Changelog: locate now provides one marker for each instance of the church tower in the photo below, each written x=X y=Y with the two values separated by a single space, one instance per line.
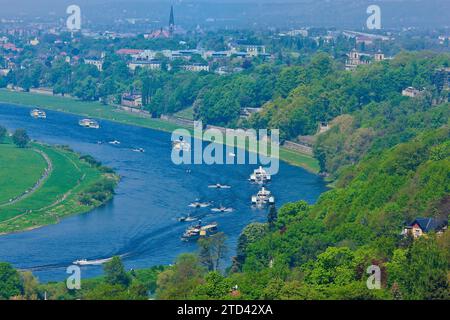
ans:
x=171 y=21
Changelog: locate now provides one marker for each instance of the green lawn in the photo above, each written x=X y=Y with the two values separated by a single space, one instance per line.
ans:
x=20 y=169
x=56 y=198
x=100 y=111
x=187 y=113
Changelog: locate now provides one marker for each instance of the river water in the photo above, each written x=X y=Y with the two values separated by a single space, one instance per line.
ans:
x=140 y=223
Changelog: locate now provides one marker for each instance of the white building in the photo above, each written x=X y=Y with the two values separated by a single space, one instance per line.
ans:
x=96 y=63
x=145 y=64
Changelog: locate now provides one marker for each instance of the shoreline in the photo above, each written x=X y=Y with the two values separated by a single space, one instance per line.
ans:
x=66 y=203
x=99 y=111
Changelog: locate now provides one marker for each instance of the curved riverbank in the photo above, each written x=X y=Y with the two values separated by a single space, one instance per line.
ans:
x=64 y=188
x=140 y=223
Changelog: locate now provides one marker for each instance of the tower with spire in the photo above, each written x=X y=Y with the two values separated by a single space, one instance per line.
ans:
x=171 y=21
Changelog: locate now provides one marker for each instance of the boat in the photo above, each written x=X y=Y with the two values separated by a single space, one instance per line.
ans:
x=89 y=123
x=219 y=186
x=139 y=150
x=115 y=142
x=38 y=114
x=197 y=204
x=263 y=198
x=222 y=209
x=198 y=231
x=181 y=145
x=84 y=262
x=260 y=176
x=187 y=218
x=232 y=154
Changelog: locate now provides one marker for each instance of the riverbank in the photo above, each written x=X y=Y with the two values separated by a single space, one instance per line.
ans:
x=42 y=184
x=100 y=111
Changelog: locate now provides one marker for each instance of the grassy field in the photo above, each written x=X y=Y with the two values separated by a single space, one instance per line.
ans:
x=187 y=113
x=19 y=171
x=56 y=198
x=100 y=111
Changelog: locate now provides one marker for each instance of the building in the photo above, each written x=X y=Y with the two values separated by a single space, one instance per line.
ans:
x=165 y=32
x=95 y=62
x=196 y=67
x=171 y=21
x=356 y=59
x=132 y=100
x=4 y=72
x=422 y=226
x=379 y=56
x=323 y=127
x=250 y=50
x=411 y=92
x=145 y=64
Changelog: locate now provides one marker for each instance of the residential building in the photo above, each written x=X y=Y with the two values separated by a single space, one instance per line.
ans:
x=411 y=92
x=422 y=226
x=132 y=100
x=98 y=63
x=145 y=64
x=196 y=67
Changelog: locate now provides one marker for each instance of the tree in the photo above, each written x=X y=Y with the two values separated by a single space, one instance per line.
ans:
x=115 y=273
x=180 y=281
x=2 y=133
x=10 y=282
x=20 y=138
x=212 y=250
x=272 y=216
x=251 y=234
x=30 y=286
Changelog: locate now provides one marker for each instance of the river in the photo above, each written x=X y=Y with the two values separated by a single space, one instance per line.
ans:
x=140 y=223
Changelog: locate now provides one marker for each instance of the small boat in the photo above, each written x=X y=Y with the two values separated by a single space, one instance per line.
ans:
x=263 y=198
x=197 y=204
x=232 y=154
x=181 y=145
x=260 y=176
x=84 y=262
x=140 y=150
x=38 y=114
x=89 y=123
x=115 y=142
x=219 y=186
x=198 y=231
x=222 y=209
x=187 y=218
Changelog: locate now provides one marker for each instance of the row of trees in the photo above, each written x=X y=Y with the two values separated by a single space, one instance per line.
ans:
x=20 y=137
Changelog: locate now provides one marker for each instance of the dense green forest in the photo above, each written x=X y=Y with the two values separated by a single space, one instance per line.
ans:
x=323 y=251
x=390 y=156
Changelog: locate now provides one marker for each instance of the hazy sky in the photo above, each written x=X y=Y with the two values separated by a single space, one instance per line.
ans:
x=339 y=13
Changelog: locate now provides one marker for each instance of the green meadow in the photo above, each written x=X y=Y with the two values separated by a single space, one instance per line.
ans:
x=57 y=197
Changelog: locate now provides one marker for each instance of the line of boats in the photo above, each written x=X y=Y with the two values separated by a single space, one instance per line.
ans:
x=261 y=200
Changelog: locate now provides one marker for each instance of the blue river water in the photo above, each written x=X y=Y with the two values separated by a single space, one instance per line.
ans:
x=140 y=223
